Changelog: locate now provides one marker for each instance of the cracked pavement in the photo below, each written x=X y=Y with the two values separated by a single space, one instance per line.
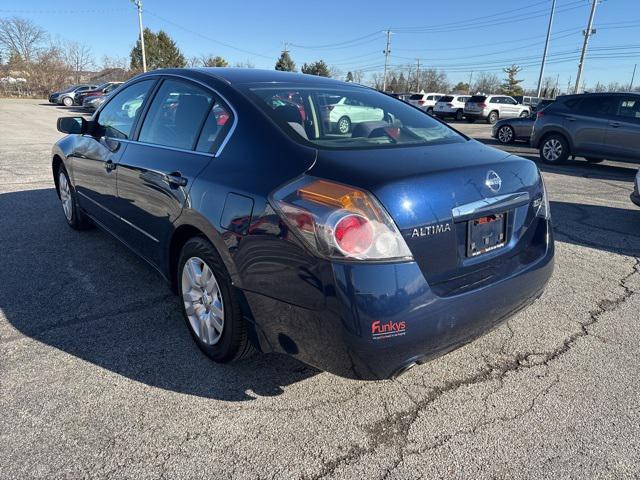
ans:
x=100 y=379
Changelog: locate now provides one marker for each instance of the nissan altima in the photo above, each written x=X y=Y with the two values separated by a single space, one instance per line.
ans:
x=360 y=251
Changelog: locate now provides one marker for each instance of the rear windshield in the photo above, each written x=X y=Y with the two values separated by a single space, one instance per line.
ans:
x=416 y=96
x=478 y=98
x=447 y=98
x=342 y=118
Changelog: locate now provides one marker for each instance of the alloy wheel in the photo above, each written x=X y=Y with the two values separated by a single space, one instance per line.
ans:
x=505 y=134
x=65 y=195
x=552 y=149
x=343 y=125
x=202 y=299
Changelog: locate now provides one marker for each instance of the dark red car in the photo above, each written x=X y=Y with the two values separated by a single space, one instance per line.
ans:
x=100 y=90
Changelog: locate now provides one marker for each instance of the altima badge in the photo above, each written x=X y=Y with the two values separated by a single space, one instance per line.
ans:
x=431 y=230
x=493 y=181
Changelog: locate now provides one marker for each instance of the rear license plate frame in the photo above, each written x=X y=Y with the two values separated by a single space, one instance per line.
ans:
x=487 y=236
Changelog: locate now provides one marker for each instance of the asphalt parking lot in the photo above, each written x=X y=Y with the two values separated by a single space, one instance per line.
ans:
x=99 y=377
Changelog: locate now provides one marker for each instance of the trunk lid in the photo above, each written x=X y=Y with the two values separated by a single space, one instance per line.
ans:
x=433 y=192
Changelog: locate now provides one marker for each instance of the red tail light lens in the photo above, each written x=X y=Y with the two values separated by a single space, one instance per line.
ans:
x=421 y=102
x=482 y=105
x=339 y=221
x=353 y=234
x=539 y=114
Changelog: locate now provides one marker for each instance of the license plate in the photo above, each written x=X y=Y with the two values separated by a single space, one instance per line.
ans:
x=486 y=234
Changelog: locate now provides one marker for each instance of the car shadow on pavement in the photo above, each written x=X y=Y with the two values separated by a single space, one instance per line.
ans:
x=612 y=229
x=86 y=294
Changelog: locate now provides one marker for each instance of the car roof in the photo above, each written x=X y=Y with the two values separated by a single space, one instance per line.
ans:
x=598 y=94
x=254 y=75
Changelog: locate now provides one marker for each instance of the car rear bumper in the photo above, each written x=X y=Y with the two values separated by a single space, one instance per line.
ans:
x=379 y=319
x=475 y=116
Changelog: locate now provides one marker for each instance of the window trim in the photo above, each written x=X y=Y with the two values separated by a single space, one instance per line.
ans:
x=158 y=77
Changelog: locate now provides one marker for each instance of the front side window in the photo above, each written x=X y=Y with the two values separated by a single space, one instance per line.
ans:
x=348 y=117
x=118 y=117
x=176 y=115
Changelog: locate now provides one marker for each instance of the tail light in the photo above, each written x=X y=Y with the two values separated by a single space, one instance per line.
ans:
x=421 y=102
x=541 y=204
x=539 y=114
x=482 y=105
x=449 y=104
x=339 y=221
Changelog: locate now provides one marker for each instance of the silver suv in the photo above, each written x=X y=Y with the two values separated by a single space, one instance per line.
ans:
x=591 y=125
x=493 y=107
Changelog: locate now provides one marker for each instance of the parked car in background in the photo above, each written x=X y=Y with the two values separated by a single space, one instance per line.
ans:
x=329 y=250
x=93 y=102
x=102 y=89
x=61 y=96
x=595 y=126
x=346 y=112
x=451 y=106
x=542 y=104
x=68 y=99
x=425 y=101
x=635 y=196
x=532 y=102
x=493 y=107
x=509 y=130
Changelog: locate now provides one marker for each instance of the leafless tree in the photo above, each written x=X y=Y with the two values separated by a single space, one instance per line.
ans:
x=21 y=36
x=486 y=82
x=79 y=58
x=358 y=76
x=246 y=64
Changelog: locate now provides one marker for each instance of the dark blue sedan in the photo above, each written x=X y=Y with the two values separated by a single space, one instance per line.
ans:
x=298 y=214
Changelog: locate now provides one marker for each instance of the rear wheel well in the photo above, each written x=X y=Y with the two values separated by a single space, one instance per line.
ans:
x=182 y=234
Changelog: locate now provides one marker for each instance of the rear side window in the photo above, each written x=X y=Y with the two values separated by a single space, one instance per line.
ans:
x=599 y=106
x=478 y=98
x=416 y=96
x=215 y=128
x=117 y=118
x=446 y=98
x=176 y=115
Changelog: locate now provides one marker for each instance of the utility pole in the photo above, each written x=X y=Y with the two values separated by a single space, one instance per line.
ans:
x=138 y=4
x=633 y=76
x=418 y=75
x=587 y=33
x=546 y=47
x=386 y=58
x=470 y=79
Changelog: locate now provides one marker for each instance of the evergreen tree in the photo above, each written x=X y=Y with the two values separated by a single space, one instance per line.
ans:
x=160 y=51
x=285 y=63
x=316 y=68
x=461 y=87
x=511 y=85
x=212 y=61
x=349 y=77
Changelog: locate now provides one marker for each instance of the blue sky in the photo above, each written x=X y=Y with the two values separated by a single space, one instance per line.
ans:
x=458 y=36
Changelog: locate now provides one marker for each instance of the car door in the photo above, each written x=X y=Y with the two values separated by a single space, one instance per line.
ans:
x=588 y=122
x=96 y=155
x=157 y=170
x=623 y=131
x=510 y=107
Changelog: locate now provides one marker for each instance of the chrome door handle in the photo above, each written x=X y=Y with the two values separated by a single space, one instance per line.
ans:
x=571 y=119
x=176 y=179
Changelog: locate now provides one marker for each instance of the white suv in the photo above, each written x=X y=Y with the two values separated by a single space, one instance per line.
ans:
x=493 y=107
x=425 y=101
x=451 y=106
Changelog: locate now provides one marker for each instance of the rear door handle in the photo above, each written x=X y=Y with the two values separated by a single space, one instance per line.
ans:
x=176 y=178
x=109 y=165
x=614 y=124
x=571 y=119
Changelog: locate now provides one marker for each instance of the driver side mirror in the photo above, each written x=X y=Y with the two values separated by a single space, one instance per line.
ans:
x=72 y=125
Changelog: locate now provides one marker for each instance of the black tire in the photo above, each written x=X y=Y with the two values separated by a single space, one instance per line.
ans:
x=459 y=114
x=505 y=134
x=67 y=101
x=493 y=117
x=594 y=160
x=343 y=125
x=470 y=120
x=555 y=142
x=78 y=219
x=430 y=110
x=234 y=343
